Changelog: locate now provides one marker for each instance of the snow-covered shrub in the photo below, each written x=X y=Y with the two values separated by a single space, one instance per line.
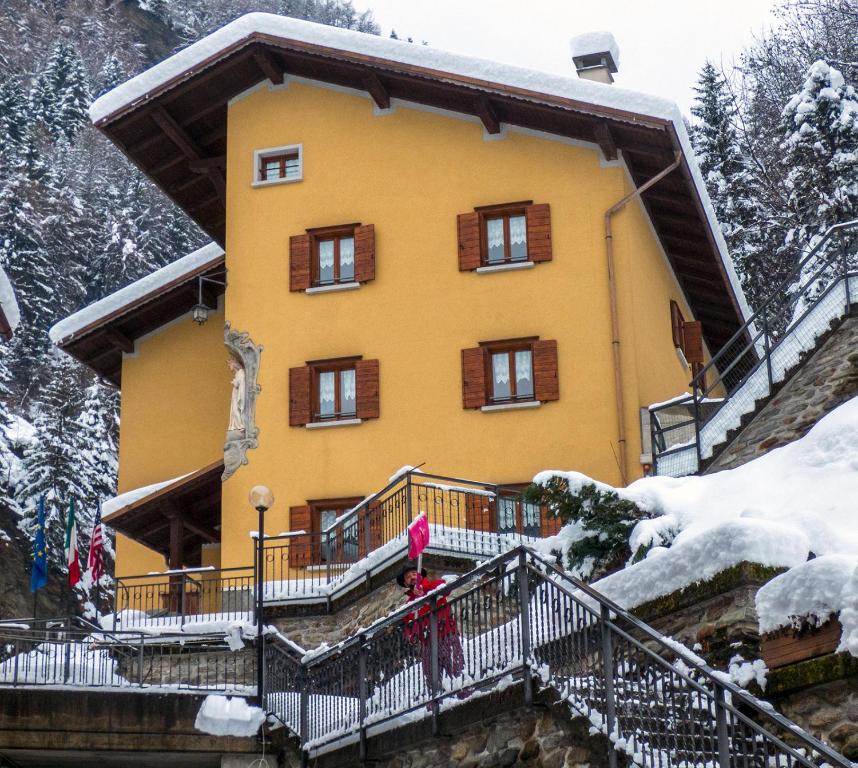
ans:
x=605 y=519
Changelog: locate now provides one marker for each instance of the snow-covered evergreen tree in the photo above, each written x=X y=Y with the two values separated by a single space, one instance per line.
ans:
x=60 y=95
x=51 y=462
x=820 y=124
x=97 y=461
x=731 y=186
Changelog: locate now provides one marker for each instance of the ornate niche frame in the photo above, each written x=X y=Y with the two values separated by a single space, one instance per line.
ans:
x=238 y=442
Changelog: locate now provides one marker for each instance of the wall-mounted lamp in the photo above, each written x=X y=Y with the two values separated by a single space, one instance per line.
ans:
x=200 y=311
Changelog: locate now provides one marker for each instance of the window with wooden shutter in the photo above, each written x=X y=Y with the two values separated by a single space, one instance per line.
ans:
x=473 y=378
x=300 y=547
x=299 y=262
x=300 y=411
x=342 y=543
x=545 y=377
x=366 y=372
x=507 y=234
x=365 y=253
x=468 y=227
x=509 y=371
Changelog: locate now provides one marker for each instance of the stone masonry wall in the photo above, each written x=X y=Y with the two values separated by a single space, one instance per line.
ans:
x=828 y=711
x=827 y=380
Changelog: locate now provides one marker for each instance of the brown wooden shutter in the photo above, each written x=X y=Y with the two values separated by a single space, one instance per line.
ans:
x=549 y=523
x=374 y=515
x=469 y=240
x=545 y=383
x=479 y=512
x=299 y=262
x=300 y=412
x=365 y=253
x=692 y=335
x=676 y=325
x=473 y=378
x=366 y=383
x=300 y=547
x=538 y=232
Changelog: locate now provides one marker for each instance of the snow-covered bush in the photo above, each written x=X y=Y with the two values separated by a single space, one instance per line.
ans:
x=604 y=518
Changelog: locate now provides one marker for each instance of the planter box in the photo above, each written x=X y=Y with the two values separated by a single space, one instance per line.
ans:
x=788 y=645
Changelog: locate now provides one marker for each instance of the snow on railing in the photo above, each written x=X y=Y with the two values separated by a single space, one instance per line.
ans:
x=759 y=356
x=517 y=619
x=467 y=518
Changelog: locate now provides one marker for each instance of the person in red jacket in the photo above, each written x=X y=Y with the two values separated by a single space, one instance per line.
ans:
x=451 y=659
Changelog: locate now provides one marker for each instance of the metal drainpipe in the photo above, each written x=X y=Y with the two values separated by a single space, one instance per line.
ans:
x=615 y=317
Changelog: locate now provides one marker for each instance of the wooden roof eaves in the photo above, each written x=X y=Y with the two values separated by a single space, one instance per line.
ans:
x=384 y=66
x=183 y=483
x=127 y=309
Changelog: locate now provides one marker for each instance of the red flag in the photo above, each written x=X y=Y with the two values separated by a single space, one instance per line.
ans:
x=95 y=561
x=418 y=535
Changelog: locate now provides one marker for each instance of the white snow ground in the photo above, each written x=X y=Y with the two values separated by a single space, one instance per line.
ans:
x=775 y=510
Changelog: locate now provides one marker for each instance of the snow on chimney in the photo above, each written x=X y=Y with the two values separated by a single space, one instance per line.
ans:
x=595 y=55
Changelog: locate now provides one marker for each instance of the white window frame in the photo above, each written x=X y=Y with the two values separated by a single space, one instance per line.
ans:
x=260 y=154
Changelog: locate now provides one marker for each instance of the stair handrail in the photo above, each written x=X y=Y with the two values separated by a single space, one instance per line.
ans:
x=611 y=614
x=779 y=292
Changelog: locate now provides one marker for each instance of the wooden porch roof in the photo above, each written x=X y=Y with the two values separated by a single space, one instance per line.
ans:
x=101 y=343
x=176 y=134
x=195 y=500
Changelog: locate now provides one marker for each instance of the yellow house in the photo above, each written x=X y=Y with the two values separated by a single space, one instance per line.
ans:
x=444 y=261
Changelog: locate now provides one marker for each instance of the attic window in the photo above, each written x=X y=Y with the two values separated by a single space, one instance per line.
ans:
x=278 y=165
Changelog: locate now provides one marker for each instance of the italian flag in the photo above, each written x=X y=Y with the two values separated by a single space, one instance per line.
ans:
x=71 y=547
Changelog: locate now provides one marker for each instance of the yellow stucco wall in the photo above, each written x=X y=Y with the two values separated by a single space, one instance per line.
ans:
x=174 y=411
x=410 y=173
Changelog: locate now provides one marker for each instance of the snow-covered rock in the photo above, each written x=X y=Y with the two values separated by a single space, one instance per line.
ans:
x=225 y=716
x=8 y=302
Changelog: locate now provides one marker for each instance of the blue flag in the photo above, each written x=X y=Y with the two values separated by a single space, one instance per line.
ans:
x=39 y=575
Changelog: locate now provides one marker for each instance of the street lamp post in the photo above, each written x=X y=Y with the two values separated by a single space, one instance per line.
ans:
x=261 y=500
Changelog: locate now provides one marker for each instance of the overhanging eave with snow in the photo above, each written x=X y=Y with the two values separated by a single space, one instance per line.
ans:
x=171 y=121
x=175 y=517
x=99 y=334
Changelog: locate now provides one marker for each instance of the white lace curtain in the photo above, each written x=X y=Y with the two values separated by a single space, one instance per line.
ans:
x=326 y=254
x=347 y=383
x=517 y=230
x=347 y=251
x=326 y=387
x=522 y=366
x=494 y=230
x=500 y=365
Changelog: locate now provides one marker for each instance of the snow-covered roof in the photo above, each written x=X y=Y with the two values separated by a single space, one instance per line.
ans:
x=125 y=500
x=8 y=302
x=595 y=42
x=439 y=65
x=136 y=293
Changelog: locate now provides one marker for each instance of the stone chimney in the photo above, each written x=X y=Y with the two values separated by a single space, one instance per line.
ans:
x=596 y=56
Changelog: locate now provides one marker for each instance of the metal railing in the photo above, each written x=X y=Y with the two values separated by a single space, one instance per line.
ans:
x=518 y=618
x=59 y=653
x=175 y=598
x=760 y=355
x=467 y=518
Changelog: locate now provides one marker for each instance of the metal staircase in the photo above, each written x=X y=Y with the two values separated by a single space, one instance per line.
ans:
x=520 y=619
x=760 y=357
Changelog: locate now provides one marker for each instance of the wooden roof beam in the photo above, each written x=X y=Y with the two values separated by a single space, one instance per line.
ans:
x=203 y=531
x=265 y=61
x=377 y=90
x=484 y=110
x=119 y=340
x=205 y=164
x=175 y=133
x=605 y=140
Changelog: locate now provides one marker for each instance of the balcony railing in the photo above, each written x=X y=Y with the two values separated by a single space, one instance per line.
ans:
x=467 y=518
